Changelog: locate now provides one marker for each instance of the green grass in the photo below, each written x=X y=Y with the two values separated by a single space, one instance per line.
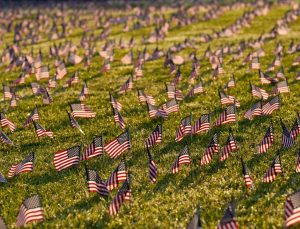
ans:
x=171 y=201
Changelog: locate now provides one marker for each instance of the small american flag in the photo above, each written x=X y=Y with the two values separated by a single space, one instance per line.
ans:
x=272 y=172
x=259 y=92
x=6 y=122
x=82 y=111
x=43 y=72
x=117 y=176
x=7 y=92
x=185 y=128
x=280 y=88
x=95 y=184
x=255 y=63
x=298 y=163
x=228 y=99
x=41 y=132
x=173 y=92
x=229 y=147
x=228 y=220
x=195 y=223
x=212 y=148
x=255 y=110
x=287 y=139
x=265 y=79
x=13 y=101
x=272 y=105
x=52 y=82
x=2 y=180
x=119 y=145
x=295 y=131
x=35 y=88
x=34 y=116
x=155 y=137
x=25 y=166
x=74 y=79
x=61 y=71
x=247 y=178
x=127 y=86
x=292 y=209
x=154 y=111
x=66 y=158
x=198 y=88
x=227 y=116
x=115 y=104
x=118 y=119
x=47 y=99
x=152 y=168
x=267 y=141
x=124 y=194
x=183 y=158
x=74 y=123
x=74 y=59
x=231 y=83
x=95 y=148
x=31 y=210
x=171 y=106
x=145 y=98
x=202 y=124
x=4 y=139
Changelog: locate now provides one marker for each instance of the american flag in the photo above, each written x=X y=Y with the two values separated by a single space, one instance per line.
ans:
x=295 y=128
x=74 y=59
x=231 y=83
x=155 y=137
x=61 y=71
x=287 y=139
x=173 y=92
x=255 y=63
x=2 y=180
x=145 y=98
x=228 y=220
x=202 y=124
x=25 y=166
x=265 y=79
x=7 y=92
x=106 y=66
x=267 y=141
x=212 y=148
x=94 y=149
x=52 y=82
x=81 y=96
x=114 y=103
x=6 y=122
x=74 y=79
x=229 y=147
x=227 y=116
x=43 y=72
x=34 y=116
x=152 y=168
x=124 y=194
x=31 y=210
x=82 y=111
x=4 y=139
x=119 y=145
x=259 y=92
x=183 y=158
x=292 y=209
x=118 y=119
x=281 y=87
x=272 y=172
x=35 y=88
x=127 y=86
x=41 y=132
x=185 y=128
x=85 y=88
x=255 y=110
x=227 y=99
x=195 y=223
x=117 y=176
x=74 y=123
x=154 y=111
x=272 y=105
x=13 y=101
x=298 y=163
x=47 y=99
x=66 y=158
x=95 y=184
x=198 y=88
x=171 y=106
x=247 y=178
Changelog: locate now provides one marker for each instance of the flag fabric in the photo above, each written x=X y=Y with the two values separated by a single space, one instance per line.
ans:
x=47 y=98
x=229 y=147
x=173 y=92
x=292 y=209
x=127 y=86
x=154 y=111
x=66 y=158
x=145 y=98
x=281 y=87
x=228 y=220
x=155 y=137
x=247 y=178
x=255 y=110
x=6 y=122
x=228 y=99
x=259 y=92
x=95 y=184
x=185 y=128
x=124 y=194
x=152 y=167
x=265 y=79
x=119 y=145
x=231 y=83
x=171 y=106
x=82 y=111
x=95 y=148
x=13 y=101
x=267 y=140
x=74 y=123
x=34 y=116
x=287 y=139
x=272 y=105
x=7 y=91
x=115 y=104
x=227 y=116
x=117 y=176
x=4 y=139
x=74 y=79
x=118 y=119
x=197 y=89
x=182 y=159
x=31 y=210
x=298 y=163
x=25 y=166
x=202 y=124
x=41 y=132
x=52 y=82
x=195 y=223
x=274 y=169
x=61 y=71
x=212 y=148
x=295 y=131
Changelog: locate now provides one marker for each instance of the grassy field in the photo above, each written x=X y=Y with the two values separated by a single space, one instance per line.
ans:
x=170 y=202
